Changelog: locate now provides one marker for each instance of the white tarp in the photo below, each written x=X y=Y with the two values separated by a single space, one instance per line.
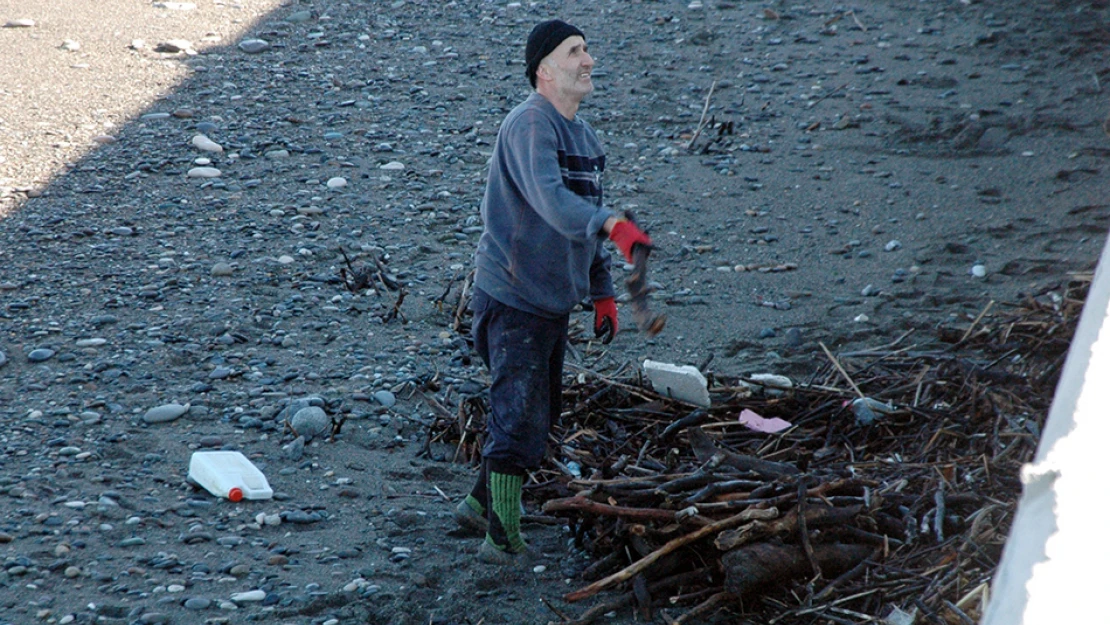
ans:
x=1053 y=568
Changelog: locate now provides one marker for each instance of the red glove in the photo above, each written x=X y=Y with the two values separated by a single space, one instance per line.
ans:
x=627 y=236
x=605 y=319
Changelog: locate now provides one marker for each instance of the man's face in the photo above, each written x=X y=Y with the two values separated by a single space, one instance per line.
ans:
x=570 y=65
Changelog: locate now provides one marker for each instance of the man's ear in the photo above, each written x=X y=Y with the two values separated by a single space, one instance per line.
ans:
x=543 y=69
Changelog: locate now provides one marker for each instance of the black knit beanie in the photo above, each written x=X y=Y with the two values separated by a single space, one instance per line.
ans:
x=545 y=37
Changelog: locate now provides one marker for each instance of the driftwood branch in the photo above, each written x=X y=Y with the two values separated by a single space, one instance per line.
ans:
x=589 y=506
x=640 y=565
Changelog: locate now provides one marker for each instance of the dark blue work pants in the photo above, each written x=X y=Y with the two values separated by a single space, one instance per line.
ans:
x=524 y=353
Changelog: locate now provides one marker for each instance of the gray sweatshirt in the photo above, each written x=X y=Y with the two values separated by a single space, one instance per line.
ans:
x=542 y=250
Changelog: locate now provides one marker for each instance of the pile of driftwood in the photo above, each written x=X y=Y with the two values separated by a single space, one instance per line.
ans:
x=881 y=489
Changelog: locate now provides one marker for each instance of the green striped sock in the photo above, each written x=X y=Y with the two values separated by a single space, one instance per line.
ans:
x=505 y=492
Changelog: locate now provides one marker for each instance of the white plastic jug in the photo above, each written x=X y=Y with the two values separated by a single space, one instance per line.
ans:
x=228 y=474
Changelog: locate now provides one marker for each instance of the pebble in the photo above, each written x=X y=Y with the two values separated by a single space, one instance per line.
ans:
x=393 y=166
x=41 y=354
x=337 y=183
x=3 y=358
x=310 y=422
x=301 y=517
x=22 y=22
x=294 y=450
x=197 y=603
x=204 y=172
x=979 y=271
x=251 y=596
x=220 y=373
x=222 y=270
x=205 y=144
x=175 y=46
x=299 y=17
x=165 y=413
x=95 y=342
x=254 y=46
x=385 y=398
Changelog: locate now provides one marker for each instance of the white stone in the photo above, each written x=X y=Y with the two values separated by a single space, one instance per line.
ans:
x=251 y=596
x=20 y=23
x=772 y=379
x=393 y=166
x=204 y=172
x=204 y=144
x=979 y=271
x=337 y=182
x=681 y=382
x=254 y=46
x=96 y=342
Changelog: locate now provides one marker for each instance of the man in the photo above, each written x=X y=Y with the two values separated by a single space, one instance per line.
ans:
x=540 y=255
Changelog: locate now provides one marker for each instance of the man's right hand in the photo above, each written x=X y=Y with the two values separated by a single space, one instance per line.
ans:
x=627 y=236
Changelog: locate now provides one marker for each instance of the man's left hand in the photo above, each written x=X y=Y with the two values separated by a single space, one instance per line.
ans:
x=605 y=319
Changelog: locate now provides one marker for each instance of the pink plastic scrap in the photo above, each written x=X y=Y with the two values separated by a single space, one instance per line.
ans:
x=759 y=424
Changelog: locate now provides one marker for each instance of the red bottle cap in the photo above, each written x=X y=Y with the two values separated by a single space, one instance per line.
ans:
x=235 y=494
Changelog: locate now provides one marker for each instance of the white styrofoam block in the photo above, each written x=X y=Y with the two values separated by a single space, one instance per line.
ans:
x=681 y=382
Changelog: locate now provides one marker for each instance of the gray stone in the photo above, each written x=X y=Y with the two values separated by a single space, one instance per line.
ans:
x=385 y=398
x=254 y=46
x=310 y=422
x=40 y=355
x=3 y=359
x=295 y=405
x=299 y=17
x=165 y=413
x=154 y=618
x=295 y=450
x=301 y=517
x=994 y=138
x=220 y=373
x=197 y=603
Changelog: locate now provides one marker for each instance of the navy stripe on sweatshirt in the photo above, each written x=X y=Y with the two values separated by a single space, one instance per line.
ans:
x=583 y=174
